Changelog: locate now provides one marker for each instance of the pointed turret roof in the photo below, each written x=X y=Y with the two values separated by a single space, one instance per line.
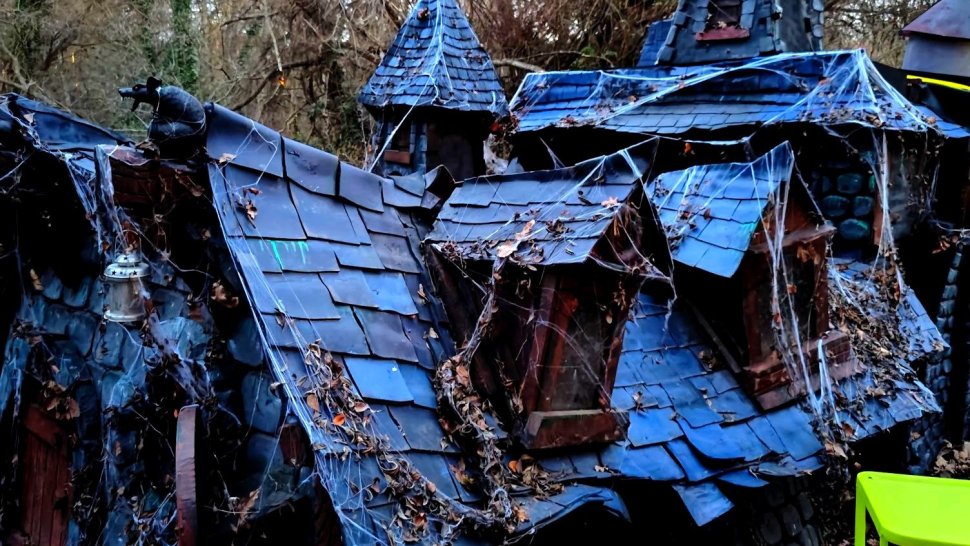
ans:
x=436 y=60
x=946 y=18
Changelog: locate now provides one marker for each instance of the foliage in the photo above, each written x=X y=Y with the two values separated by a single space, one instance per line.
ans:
x=297 y=65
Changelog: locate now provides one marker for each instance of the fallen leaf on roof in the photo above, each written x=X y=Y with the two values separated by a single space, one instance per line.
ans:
x=835 y=450
x=226 y=158
x=313 y=402
x=339 y=419
x=35 y=280
x=507 y=249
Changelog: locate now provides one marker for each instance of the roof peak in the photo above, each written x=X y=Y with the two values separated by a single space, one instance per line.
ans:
x=946 y=18
x=436 y=60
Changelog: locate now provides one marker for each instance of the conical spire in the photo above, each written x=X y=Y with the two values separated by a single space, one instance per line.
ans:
x=436 y=60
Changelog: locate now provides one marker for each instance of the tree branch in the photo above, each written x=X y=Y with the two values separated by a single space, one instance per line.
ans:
x=518 y=64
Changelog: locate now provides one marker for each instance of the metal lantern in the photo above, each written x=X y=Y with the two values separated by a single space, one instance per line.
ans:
x=124 y=279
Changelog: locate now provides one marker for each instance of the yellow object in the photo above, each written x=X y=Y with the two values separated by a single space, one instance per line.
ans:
x=913 y=510
x=944 y=83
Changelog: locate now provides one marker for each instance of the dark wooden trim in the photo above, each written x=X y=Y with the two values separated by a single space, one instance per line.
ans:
x=544 y=337
x=806 y=235
x=552 y=429
x=397 y=156
x=550 y=368
x=44 y=427
x=723 y=34
x=188 y=440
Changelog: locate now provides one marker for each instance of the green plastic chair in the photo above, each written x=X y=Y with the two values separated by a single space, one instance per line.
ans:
x=913 y=510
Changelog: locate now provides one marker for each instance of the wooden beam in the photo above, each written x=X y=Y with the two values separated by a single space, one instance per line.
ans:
x=397 y=156
x=543 y=336
x=188 y=439
x=552 y=429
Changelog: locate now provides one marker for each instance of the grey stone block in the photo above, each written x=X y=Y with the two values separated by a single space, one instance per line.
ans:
x=835 y=206
x=261 y=407
x=791 y=521
x=862 y=206
x=244 y=345
x=77 y=296
x=854 y=230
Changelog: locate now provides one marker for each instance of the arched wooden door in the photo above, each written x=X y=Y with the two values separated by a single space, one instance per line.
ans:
x=45 y=480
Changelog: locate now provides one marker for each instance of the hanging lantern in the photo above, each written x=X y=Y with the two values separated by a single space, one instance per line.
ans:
x=124 y=279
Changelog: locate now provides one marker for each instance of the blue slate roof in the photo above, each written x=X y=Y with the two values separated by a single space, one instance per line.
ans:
x=655 y=40
x=711 y=212
x=329 y=259
x=567 y=211
x=828 y=88
x=436 y=60
x=691 y=424
x=950 y=130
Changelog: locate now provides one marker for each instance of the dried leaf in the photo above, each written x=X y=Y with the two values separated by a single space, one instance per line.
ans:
x=432 y=334
x=611 y=202
x=245 y=510
x=339 y=419
x=360 y=407
x=835 y=450
x=221 y=295
x=848 y=430
x=421 y=293
x=35 y=281
x=526 y=230
x=226 y=158
x=507 y=249
x=313 y=402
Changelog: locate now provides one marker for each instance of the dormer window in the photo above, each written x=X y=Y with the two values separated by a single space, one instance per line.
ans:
x=754 y=253
x=562 y=256
x=723 y=13
x=724 y=21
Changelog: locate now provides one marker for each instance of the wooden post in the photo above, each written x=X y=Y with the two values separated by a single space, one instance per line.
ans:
x=188 y=439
